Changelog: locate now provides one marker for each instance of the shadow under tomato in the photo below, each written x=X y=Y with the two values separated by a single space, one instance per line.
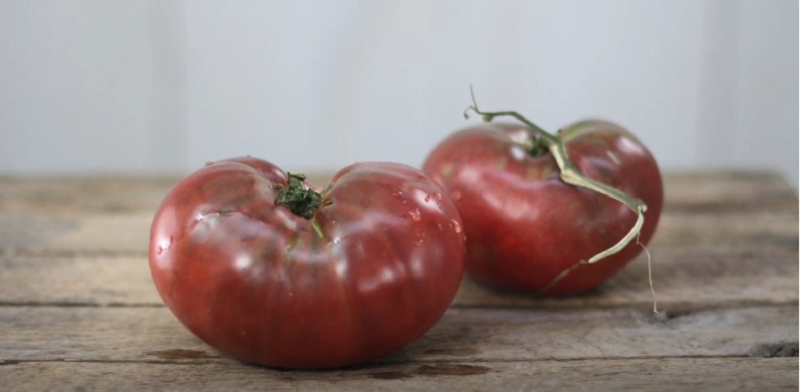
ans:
x=449 y=340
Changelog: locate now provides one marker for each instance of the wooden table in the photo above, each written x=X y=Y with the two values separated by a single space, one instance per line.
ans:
x=79 y=312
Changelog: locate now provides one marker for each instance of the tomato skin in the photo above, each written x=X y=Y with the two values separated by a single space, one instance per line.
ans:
x=259 y=284
x=524 y=225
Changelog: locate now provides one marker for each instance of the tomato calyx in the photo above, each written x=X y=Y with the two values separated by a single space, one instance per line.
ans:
x=537 y=148
x=301 y=200
x=529 y=140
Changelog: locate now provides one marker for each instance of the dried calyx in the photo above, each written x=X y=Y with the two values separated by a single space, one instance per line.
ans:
x=298 y=198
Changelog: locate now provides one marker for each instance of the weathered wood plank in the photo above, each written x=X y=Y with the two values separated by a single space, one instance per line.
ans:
x=86 y=281
x=55 y=195
x=728 y=192
x=92 y=195
x=128 y=234
x=696 y=192
x=761 y=230
x=153 y=334
x=685 y=278
x=100 y=234
x=687 y=374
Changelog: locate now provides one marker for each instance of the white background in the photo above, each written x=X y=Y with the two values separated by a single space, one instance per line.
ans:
x=155 y=86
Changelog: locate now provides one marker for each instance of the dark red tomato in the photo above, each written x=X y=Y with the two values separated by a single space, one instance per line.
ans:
x=524 y=225
x=369 y=270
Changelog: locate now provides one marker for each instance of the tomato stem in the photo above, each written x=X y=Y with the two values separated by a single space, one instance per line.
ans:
x=570 y=175
x=298 y=198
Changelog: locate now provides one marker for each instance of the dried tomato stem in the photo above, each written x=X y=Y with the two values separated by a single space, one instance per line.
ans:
x=570 y=175
x=298 y=198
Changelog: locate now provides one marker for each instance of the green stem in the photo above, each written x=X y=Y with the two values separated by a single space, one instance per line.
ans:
x=570 y=175
x=300 y=200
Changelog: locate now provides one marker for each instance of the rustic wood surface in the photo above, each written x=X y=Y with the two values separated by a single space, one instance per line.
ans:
x=78 y=310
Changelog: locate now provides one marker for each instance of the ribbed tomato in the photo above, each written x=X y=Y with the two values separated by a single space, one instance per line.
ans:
x=267 y=270
x=524 y=225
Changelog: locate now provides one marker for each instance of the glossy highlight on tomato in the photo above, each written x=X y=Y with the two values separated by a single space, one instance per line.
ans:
x=524 y=225
x=372 y=269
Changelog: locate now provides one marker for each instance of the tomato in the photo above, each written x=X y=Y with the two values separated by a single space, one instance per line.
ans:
x=267 y=270
x=524 y=225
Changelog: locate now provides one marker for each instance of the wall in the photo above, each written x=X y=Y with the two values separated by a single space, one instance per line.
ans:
x=89 y=86
x=159 y=86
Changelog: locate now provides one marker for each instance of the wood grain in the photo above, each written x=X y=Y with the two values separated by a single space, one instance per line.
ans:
x=151 y=334
x=667 y=375
x=688 y=192
x=128 y=234
x=737 y=229
x=80 y=281
x=685 y=278
x=108 y=216
x=89 y=195
x=60 y=195
x=728 y=192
